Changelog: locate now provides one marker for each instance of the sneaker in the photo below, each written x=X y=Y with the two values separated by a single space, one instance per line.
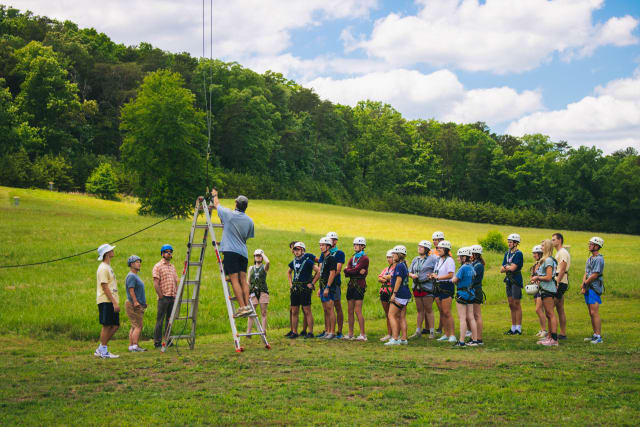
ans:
x=468 y=334
x=439 y=331
x=591 y=338
x=425 y=331
x=308 y=335
x=541 y=334
x=472 y=343
x=562 y=337
x=339 y=335
x=392 y=342
x=459 y=344
x=288 y=334
x=452 y=338
x=385 y=338
x=510 y=332
x=596 y=340
x=243 y=312
x=346 y=337
x=416 y=335
x=97 y=353
x=479 y=342
x=543 y=340
x=138 y=350
x=550 y=343
x=432 y=336
x=443 y=338
x=361 y=338
x=293 y=336
x=321 y=334
x=329 y=337
x=108 y=355
x=403 y=342
x=303 y=333
x=517 y=332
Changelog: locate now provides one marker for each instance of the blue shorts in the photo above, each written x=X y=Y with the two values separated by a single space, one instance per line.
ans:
x=334 y=294
x=592 y=298
x=445 y=290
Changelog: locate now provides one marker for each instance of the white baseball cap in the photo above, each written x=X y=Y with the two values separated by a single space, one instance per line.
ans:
x=103 y=249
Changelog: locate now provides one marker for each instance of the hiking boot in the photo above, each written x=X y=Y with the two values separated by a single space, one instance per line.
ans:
x=439 y=331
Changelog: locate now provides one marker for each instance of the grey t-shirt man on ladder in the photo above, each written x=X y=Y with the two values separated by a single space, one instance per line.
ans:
x=238 y=228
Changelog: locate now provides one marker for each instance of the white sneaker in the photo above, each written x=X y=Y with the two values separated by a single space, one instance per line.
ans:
x=383 y=339
x=98 y=354
x=418 y=334
x=591 y=338
x=452 y=339
x=329 y=336
x=348 y=337
x=443 y=338
x=392 y=342
x=468 y=334
x=361 y=338
x=108 y=355
x=404 y=342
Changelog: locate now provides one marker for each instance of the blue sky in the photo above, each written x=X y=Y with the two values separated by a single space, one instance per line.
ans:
x=566 y=68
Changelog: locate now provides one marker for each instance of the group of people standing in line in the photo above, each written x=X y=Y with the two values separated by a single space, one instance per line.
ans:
x=432 y=273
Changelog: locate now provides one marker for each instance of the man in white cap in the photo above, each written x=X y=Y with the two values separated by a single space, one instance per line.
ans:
x=107 y=300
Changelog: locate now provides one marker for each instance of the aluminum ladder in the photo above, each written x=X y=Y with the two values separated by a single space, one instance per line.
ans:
x=195 y=260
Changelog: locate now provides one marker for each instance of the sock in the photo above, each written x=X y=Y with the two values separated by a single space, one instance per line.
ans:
x=519 y=328
x=102 y=349
x=596 y=335
x=432 y=331
x=418 y=330
x=513 y=328
x=554 y=336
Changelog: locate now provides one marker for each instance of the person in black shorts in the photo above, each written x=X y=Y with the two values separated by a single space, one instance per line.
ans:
x=300 y=273
x=386 y=289
x=328 y=288
x=356 y=271
x=477 y=262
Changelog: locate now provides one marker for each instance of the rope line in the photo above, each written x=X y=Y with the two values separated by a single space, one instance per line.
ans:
x=87 y=251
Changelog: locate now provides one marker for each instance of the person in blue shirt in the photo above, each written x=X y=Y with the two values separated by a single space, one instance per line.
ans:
x=300 y=274
x=337 y=304
x=465 y=297
x=511 y=267
x=593 y=287
x=400 y=297
x=477 y=262
x=328 y=288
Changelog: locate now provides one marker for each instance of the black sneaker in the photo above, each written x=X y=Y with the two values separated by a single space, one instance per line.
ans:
x=425 y=332
x=562 y=337
x=518 y=332
x=479 y=342
x=303 y=333
x=510 y=332
x=309 y=335
x=288 y=334
x=459 y=344
x=293 y=336
x=439 y=331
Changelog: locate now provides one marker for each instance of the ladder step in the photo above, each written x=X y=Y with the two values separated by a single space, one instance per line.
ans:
x=188 y=301
x=195 y=263
x=177 y=337
x=191 y=282
x=251 y=334
x=184 y=318
x=206 y=226
x=198 y=245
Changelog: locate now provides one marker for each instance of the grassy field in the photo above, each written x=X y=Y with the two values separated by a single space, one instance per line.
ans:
x=48 y=331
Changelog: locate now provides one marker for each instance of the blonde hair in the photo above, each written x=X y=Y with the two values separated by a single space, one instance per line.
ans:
x=547 y=249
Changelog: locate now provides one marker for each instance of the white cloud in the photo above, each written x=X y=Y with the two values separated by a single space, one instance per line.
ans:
x=439 y=95
x=241 y=27
x=501 y=36
x=609 y=120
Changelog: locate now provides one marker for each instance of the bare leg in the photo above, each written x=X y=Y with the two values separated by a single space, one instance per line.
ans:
x=462 y=316
x=385 y=307
x=562 y=316
x=551 y=315
x=594 y=313
x=245 y=286
x=420 y=317
x=135 y=336
x=471 y=322
x=358 y=304
x=512 y=309
x=518 y=311
x=339 y=317
x=403 y=322
x=447 y=318
x=477 y=315
x=542 y=318
x=263 y=316
x=439 y=305
x=428 y=310
x=394 y=321
x=308 y=318
x=295 y=310
x=351 y=304
x=238 y=290
x=331 y=322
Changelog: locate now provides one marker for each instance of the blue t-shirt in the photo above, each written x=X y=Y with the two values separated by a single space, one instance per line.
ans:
x=238 y=228
x=401 y=271
x=134 y=281
x=479 y=269
x=302 y=269
x=514 y=258
x=340 y=259
x=465 y=276
x=595 y=264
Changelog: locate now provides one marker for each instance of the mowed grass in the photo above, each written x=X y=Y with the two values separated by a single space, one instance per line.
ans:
x=48 y=331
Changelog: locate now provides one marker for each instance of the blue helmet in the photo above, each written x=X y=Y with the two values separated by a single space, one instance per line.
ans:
x=166 y=247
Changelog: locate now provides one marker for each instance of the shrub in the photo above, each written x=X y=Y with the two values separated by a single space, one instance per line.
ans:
x=494 y=241
x=49 y=168
x=16 y=169
x=103 y=182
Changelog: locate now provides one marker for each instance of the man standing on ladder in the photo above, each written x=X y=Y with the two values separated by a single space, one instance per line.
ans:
x=238 y=227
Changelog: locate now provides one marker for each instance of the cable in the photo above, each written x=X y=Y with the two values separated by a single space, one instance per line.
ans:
x=88 y=251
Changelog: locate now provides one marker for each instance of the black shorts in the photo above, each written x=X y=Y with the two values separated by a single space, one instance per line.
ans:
x=513 y=291
x=544 y=294
x=234 y=263
x=562 y=288
x=301 y=297
x=355 y=293
x=385 y=297
x=479 y=295
x=107 y=316
x=445 y=290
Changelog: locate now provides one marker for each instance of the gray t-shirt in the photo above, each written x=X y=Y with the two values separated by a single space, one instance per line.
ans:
x=595 y=264
x=134 y=281
x=238 y=228
x=423 y=267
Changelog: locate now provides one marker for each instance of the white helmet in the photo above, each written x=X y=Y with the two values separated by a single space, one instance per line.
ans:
x=537 y=248
x=464 y=251
x=476 y=249
x=332 y=235
x=390 y=252
x=531 y=289
x=597 y=241
x=514 y=237
x=425 y=244
x=325 y=241
x=437 y=235
x=399 y=249
x=445 y=244
x=299 y=245
x=258 y=252
x=360 y=241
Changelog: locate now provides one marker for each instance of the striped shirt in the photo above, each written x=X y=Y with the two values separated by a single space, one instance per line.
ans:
x=166 y=273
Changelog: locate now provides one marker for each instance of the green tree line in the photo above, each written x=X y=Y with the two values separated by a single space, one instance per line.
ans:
x=72 y=102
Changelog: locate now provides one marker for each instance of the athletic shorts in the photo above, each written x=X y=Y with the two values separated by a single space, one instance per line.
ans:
x=134 y=314
x=264 y=298
x=234 y=263
x=107 y=316
x=562 y=288
x=334 y=294
x=385 y=297
x=544 y=294
x=461 y=301
x=445 y=290
x=355 y=293
x=592 y=298
x=401 y=302
x=513 y=291
x=302 y=297
x=479 y=295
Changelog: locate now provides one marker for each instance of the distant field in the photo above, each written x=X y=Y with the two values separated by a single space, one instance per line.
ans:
x=48 y=331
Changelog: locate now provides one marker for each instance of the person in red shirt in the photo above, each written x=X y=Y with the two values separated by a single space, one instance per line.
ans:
x=356 y=271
